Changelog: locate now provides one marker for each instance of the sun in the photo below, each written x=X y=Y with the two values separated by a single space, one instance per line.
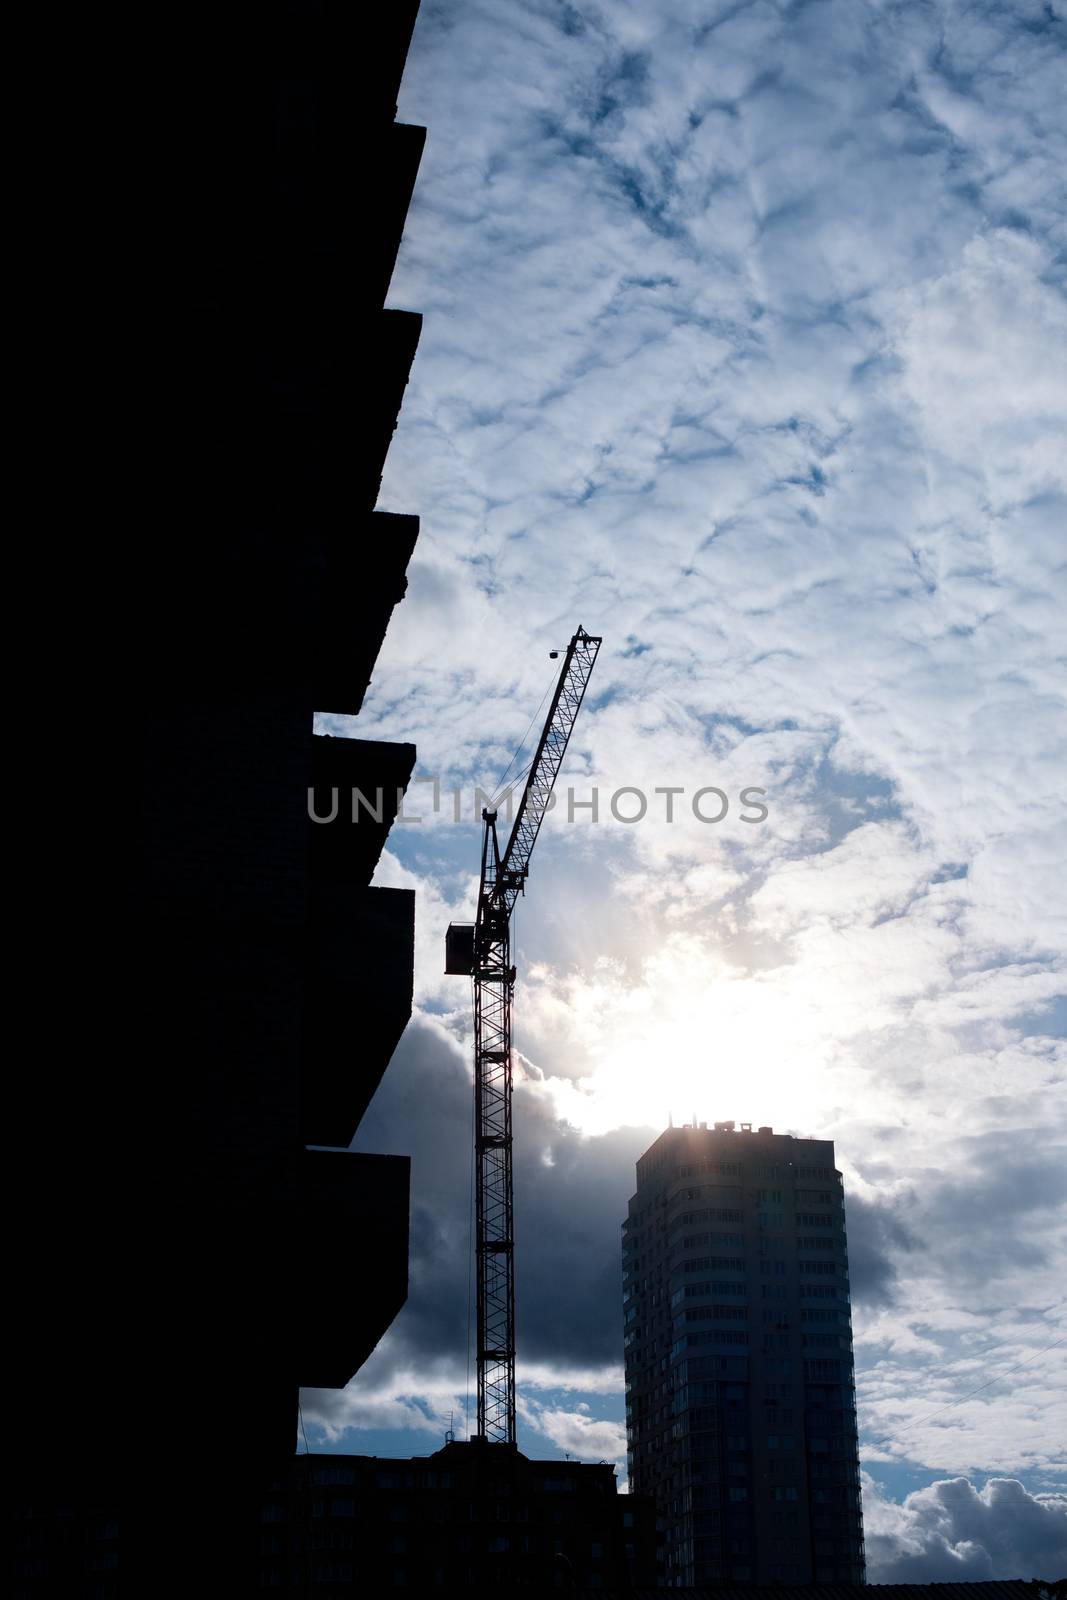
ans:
x=692 y=1036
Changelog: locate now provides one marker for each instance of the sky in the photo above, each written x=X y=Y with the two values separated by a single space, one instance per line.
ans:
x=745 y=347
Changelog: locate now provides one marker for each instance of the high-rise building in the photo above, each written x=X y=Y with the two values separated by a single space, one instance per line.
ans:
x=196 y=1227
x=740 y=1396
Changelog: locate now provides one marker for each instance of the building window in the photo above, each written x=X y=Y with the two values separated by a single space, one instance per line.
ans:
x=330 y=1475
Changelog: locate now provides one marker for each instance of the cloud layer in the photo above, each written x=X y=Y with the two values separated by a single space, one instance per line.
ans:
x=745 y=345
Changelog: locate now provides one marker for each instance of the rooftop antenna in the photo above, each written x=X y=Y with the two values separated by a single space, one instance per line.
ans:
x=450 y=1437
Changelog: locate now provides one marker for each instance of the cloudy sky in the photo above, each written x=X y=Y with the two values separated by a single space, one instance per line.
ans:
x=745 y=346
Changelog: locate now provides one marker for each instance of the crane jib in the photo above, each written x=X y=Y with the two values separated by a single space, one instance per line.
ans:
x=548 y=758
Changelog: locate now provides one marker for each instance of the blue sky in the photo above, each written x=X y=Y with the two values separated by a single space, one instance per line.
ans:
x=744 y=346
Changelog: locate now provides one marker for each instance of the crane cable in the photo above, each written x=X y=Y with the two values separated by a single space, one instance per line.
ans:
x=498 y=790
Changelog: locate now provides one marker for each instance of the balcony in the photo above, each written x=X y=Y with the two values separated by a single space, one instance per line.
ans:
x=350 y=1228
x=361 y=945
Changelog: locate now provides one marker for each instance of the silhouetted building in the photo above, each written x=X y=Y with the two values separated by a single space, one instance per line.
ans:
x=1003 y=1589
x=189 y=1261
x=472 y=1516
x=740 y=1397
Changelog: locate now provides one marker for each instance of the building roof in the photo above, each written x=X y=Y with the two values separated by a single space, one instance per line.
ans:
x=1005 y=1589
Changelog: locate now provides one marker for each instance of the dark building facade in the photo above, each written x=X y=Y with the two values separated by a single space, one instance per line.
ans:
x=188 y=1258
x=740 y=1395
x=472 y=1517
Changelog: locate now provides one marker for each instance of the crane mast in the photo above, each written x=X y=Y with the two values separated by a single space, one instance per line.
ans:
x=487 y=956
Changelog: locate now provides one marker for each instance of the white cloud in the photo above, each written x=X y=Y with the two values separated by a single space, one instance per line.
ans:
x=584 y=1437
x=917 y=1389
x=419 y=1401
x=953 y=1532
x=995 y=329
x=583 y=1380
x=744 y=345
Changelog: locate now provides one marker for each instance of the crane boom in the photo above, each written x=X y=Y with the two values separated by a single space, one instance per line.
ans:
x=548 y=757
x=502 y=881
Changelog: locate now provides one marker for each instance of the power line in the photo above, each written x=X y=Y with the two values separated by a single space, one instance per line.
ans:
x=522 y=741
x=979 y=1387
x=520 y=777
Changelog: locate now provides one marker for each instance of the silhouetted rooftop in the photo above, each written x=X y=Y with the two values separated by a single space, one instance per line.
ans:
x=1003 y=1589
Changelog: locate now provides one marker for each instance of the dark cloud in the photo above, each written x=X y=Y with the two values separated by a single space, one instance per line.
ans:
x=974 y=1226
x=875 y=1234
x=422 y=1109
x=988 y=1219
x=570 y=1199
x=952 y=1531
x=571 y=1194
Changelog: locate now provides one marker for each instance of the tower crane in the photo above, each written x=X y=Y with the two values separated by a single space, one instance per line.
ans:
x=483 y=949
